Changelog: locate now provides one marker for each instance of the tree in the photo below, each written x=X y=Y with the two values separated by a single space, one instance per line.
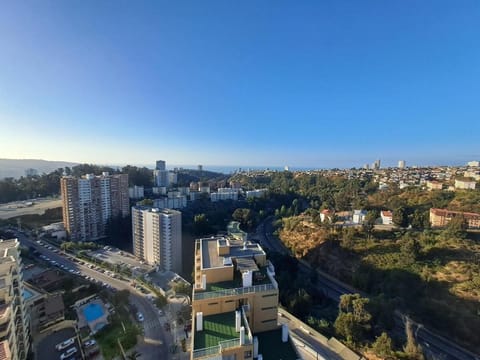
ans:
x=383 y=346
x=419 y=220
x=353 y=320
x=411 y=348
x=456 y=228
x=410 y=249
x=245 y=217
x=400 y=217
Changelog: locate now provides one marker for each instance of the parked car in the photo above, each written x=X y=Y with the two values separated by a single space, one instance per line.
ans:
x=140 y=317
x=89 y=343
x=65 y=344
x=68 y=353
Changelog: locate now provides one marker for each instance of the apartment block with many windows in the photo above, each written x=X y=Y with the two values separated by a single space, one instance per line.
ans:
x=14 y=318
x=89 y=202
x=235 y=303
x=157 y=237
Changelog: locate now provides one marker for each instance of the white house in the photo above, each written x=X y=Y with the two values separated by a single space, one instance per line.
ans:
x=387 y=217
x=465 y=184
x=359 y=216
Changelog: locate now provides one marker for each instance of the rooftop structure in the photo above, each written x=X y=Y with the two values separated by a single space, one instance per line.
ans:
x=235 y=301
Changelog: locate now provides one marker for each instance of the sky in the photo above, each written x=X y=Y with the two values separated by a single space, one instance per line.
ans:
x=329 y=83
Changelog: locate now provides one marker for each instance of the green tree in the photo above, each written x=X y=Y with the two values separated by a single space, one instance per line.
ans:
x=410 y=249
x=411 y=348
x=400 y=217
x=346 y=326
x=383 y=346
x=456 y=228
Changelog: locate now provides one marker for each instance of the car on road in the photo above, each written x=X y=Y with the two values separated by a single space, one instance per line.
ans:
x=89 y=343
x=65 y=344
x=68 y=353
x=140 y=317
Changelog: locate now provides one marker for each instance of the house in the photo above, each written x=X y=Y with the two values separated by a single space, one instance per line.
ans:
x=441 y=217
x=465 y=184
x=387 y=217
x=359 y=216
x=434 y=185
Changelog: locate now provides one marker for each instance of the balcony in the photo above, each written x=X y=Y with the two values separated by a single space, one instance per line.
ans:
x=218 y=335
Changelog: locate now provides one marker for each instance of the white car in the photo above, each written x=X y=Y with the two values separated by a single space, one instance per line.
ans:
x=65 y=344
x=68 y=353
x=140 y=317
x=90 y=342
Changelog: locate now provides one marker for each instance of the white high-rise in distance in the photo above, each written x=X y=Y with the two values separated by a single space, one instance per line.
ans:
x=401 y=164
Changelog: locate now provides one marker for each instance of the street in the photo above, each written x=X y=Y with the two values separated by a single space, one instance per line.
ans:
x=156 y=342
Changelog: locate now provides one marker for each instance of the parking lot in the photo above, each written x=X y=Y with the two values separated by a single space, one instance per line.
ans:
x=46 y=347
x=115 y=256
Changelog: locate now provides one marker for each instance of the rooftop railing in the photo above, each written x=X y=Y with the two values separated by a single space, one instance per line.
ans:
x=233 y=292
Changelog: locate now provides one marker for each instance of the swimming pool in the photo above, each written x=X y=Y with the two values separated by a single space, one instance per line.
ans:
x=27 y=294
x=93 y=312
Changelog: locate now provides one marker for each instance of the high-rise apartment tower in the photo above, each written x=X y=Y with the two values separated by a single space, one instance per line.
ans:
x=89 y=202
x=157 y=237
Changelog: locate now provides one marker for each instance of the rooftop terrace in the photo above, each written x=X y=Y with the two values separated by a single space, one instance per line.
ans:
x=271 y=347
x=216 y=328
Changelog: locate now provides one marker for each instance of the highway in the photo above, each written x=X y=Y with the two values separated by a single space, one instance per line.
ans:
x=434 y=345
x=155 y=345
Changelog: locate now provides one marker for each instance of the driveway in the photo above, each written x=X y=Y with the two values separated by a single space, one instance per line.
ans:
x=46 y=347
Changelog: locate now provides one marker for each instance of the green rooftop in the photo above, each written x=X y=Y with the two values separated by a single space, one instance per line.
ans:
x=216 y=328
x=271 y=347
x=259 y=278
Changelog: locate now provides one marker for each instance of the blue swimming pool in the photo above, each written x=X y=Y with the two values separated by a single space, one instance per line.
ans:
x=27 y=294
x=93 y=312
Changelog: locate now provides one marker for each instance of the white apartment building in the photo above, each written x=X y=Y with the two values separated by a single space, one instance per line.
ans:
x=157 y=237
x=465 y=184
x=136 y=192
x=473 y=163
x=177 y=202
x=224 y=194
x=14 y=317
x=255 y=193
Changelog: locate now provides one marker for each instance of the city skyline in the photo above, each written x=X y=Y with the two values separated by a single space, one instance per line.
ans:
x=249 y=85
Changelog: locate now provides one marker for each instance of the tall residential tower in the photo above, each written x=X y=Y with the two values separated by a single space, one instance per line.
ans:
x=14 y=319
x=89 y=202
x=157 y=237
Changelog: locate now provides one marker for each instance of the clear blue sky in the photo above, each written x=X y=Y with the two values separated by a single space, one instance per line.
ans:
x=299 y=83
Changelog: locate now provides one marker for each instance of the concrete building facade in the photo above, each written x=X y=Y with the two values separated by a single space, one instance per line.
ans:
x=157 y=237
x=14 y=317
x=89 y=202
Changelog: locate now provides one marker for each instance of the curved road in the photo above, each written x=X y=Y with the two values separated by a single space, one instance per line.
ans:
x=436 y=346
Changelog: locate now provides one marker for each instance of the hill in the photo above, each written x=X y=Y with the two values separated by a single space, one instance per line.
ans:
x=16 y=167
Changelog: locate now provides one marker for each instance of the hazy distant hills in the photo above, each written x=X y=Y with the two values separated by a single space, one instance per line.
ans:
x=16 y=167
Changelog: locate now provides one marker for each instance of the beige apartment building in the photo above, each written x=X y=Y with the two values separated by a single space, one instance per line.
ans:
x=235 y=303
x=157 y=237
x=45 y=309
x=14 y=318
x=89 y=202
x=441 y=217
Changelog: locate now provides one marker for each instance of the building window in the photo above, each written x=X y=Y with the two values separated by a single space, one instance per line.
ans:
x=247 y=354
x=270 y=320
x=269 y=295
x=215 y=303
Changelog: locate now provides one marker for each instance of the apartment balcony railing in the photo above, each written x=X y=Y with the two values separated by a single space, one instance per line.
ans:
x=214 y=352
x=233 y=292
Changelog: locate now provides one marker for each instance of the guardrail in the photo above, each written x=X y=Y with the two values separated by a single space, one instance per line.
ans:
x=233 y=292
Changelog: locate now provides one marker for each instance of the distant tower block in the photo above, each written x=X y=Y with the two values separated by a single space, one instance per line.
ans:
x=200 y=167
x=401 y=164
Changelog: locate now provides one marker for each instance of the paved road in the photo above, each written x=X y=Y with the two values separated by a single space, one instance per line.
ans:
x=154 y=346
x=435 y=346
